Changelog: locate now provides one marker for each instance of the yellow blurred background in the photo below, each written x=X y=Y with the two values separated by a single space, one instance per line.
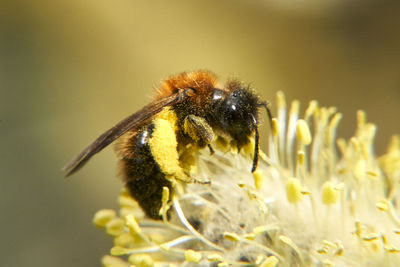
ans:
x=69 y=70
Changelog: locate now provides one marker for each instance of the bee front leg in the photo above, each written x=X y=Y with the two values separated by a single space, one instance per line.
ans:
x=198 y=129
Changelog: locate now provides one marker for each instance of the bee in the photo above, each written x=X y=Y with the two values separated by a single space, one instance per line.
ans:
x=189 y=109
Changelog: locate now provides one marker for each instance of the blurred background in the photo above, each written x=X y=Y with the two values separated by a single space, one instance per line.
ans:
x=69 y=70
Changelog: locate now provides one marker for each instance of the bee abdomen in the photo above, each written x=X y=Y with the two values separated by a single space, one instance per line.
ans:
x=143 y=177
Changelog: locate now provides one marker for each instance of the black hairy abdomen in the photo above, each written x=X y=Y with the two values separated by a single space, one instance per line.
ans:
x=144 y=179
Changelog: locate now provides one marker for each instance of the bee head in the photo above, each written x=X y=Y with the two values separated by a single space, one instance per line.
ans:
x=236 y=110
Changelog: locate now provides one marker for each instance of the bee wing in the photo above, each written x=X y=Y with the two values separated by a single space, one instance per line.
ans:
x=123 y=126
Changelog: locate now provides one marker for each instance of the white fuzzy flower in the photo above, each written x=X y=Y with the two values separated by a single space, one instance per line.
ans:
x=306 y=205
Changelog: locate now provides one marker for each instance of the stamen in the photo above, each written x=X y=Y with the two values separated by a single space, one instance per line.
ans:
x=102 y=217
x=303 y=132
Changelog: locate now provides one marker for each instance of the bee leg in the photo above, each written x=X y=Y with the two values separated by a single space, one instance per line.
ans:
x=211 y=149
x=198 y=129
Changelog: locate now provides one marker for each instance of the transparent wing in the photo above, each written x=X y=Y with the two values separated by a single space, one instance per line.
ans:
x=133 y=121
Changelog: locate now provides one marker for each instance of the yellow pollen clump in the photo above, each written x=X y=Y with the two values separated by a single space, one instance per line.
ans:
x=163 y=145
x=222 y=144
x=293 y=190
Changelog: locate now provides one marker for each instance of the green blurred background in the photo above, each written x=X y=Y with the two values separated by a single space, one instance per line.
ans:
x=71 y=69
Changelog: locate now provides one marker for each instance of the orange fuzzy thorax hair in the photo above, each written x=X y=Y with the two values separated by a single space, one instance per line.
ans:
x=202 y=81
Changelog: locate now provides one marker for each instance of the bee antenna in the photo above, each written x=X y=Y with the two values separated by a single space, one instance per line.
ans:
x=257 y=137
x=256 y=145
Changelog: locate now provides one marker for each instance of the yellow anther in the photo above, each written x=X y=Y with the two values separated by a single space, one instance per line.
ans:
x=124 y=240
x=303 y=132
x=293 y=190
x=271 y=261
x=192 y=256
x=329 y=243
x=259 y=230
x=127 y=201
x=117 y=251
x=141 y=260
x=165 y=195
x=330 y=194
x=383 y=205
x=361 y=118
x=392 y=249
x=340 y=249
x=373 y=175
x=322 y=250
x=111 y=261
x=231 y=236
x=115 y=227
x=328 y=263
x=312 y=106
x=102 y=217
x=305 y=191
x=250 y=236
x=355 y=143
x=164 y=202
x=370 y=237
x=358 y=230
